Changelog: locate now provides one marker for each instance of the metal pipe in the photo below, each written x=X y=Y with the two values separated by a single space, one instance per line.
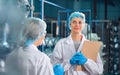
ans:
x=59 y=23
x=54 y=4
x=31 y=5
x=42 y=9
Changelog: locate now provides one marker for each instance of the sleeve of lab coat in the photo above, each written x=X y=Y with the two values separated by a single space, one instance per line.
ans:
x=57 y=57
x=45 y=67
x=94 y=68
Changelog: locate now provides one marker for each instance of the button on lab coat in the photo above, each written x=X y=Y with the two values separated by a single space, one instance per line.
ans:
x=63 y=52
x=28 y=61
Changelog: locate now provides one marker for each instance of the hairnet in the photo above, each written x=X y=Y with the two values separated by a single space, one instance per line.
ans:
x=76 y=15
x=33 y=29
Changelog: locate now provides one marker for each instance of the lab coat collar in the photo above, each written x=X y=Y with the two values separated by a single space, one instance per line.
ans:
x=31 y=47
x=70 y=41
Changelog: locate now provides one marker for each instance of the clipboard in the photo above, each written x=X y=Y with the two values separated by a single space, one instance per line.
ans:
x=90 y=50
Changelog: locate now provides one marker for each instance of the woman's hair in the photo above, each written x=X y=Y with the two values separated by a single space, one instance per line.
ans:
x=32 y=29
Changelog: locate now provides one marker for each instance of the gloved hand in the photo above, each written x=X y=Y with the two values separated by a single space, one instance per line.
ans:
x=78 y=59
x=58 y=69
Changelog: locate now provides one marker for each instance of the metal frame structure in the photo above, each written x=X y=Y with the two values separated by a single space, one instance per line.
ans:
x=48 y=2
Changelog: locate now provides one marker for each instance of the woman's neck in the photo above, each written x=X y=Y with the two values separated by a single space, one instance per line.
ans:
x=76 y=37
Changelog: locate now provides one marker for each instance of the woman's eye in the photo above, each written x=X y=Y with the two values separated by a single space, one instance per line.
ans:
x=74 y=22
x=80 y=22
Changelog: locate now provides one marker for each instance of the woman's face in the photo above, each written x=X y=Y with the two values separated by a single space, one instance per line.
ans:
x=76 y=25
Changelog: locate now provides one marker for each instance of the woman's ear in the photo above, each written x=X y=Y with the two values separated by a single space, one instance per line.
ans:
x=39 y=41
x=69 y=26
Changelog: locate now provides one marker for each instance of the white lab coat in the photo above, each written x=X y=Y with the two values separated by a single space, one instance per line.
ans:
x=28 y=61
x=63 y=52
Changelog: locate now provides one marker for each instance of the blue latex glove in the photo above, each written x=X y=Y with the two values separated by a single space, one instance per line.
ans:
x=78 y=59
x=58 y=70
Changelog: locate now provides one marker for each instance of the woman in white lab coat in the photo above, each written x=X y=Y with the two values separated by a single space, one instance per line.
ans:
x=66 y=50
x=27 y=59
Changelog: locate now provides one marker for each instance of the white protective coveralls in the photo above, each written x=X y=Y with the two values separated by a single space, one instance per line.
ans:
x=28 y=61
x=63 y=52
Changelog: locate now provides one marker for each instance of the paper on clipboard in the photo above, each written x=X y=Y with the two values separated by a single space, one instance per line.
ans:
x=90 y=50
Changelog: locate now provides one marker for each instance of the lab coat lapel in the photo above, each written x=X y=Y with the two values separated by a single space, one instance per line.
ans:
x=69 y=42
